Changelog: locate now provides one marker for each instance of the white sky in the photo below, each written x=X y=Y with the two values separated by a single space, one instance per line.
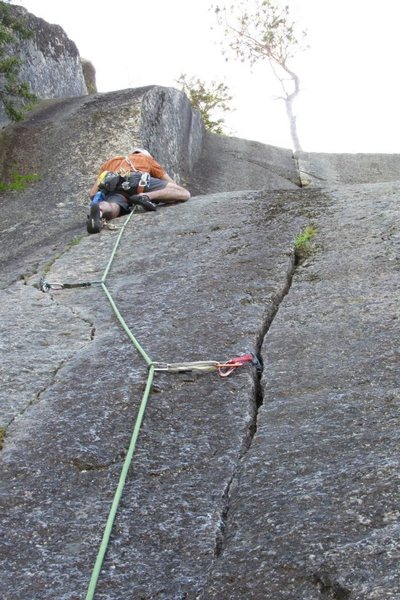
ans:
x=350 y=75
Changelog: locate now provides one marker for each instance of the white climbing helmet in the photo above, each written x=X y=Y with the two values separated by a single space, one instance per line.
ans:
x=141 y=151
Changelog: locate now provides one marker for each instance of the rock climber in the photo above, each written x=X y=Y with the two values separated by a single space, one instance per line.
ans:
x=125 y=181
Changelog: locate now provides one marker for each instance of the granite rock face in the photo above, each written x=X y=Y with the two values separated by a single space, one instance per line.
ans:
x=279 y=487
x=314 y=513
x=234 y=164
x=64 y=142
x=321 y=169
x=51 y=64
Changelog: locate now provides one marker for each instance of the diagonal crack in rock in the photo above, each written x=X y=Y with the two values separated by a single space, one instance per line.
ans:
x=257 y=402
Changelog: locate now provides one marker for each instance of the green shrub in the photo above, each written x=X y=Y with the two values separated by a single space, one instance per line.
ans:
x=303 y=242
x=18 y=182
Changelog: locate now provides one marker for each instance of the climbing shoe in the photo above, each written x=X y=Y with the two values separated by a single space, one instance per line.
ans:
x=142 y=200
x=93 y=222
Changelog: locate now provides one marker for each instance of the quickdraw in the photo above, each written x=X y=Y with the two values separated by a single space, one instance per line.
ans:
x=224 y=369
x=227 y=368
x=47 y=286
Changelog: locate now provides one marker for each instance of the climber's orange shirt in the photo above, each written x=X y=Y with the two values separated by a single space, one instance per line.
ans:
x=140 y=162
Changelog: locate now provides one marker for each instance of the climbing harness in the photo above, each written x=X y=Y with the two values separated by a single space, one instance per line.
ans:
x=143 y=181
x=130 y=182
x=223 y=368
x=136 y=183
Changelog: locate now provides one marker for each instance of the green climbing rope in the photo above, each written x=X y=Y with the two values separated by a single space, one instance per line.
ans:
x=136 y=430
x=223 y=369
x=117 y=497
x=108 y=267
x=125 y=327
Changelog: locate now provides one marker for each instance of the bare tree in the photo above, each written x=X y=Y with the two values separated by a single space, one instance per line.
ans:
x=263 y=30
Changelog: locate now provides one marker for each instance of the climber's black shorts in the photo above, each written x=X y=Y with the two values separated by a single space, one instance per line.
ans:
x=120 y=199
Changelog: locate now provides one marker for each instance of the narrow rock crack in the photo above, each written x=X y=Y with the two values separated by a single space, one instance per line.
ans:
x=36 y=397
x=257 y=402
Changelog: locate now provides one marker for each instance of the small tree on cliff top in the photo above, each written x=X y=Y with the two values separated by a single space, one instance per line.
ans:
x=262 y=30
x=207 y=98
x=15 y=95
